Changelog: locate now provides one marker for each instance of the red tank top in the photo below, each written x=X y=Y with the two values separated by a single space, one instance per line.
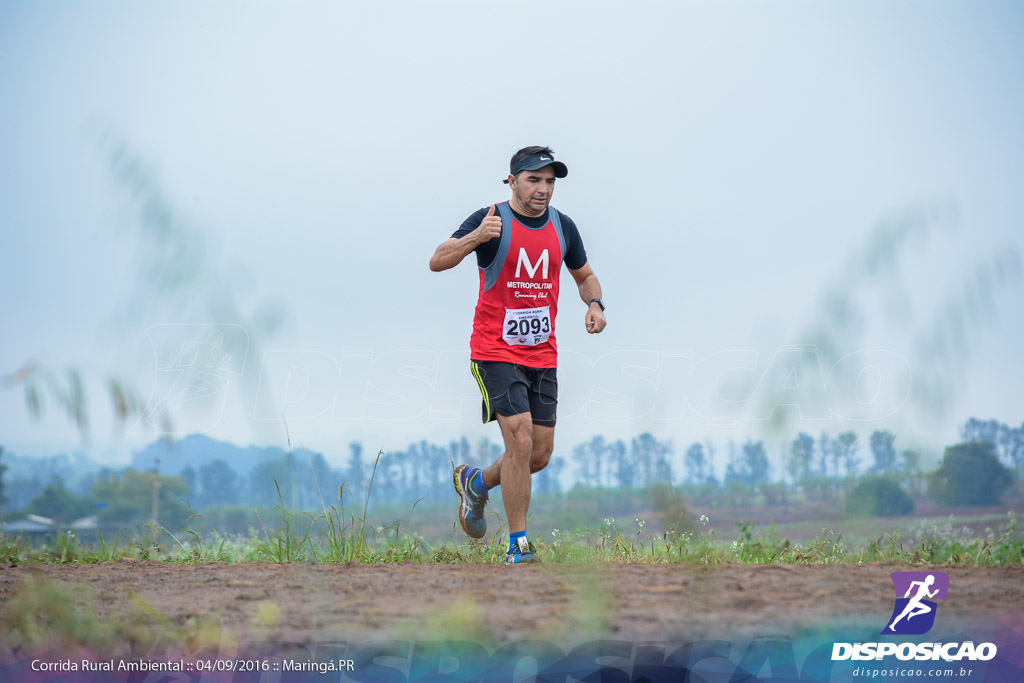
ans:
x=518 y=300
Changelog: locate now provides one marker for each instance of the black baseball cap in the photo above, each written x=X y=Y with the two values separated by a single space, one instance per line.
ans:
x=535 y=161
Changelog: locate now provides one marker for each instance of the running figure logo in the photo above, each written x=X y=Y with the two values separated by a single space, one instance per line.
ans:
x=914 y=612
x=195 y=364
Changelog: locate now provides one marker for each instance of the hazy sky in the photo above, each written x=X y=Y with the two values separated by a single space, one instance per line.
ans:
x=733 y=168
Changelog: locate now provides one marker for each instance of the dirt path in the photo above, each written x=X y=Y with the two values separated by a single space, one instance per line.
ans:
x=305 y=603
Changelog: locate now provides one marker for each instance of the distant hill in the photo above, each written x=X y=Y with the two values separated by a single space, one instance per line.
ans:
x=196 y=450
x=72 y=467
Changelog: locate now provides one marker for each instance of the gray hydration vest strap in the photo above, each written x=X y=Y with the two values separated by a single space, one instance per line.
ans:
x=492 y=271
x=557 y=222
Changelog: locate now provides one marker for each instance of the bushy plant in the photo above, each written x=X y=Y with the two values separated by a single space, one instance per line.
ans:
x=878 y=497
x=970 y=474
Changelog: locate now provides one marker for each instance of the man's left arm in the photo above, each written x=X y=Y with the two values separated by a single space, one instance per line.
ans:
x=590 y=289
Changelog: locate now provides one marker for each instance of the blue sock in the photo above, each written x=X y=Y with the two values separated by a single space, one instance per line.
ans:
x=512 y=538
x=477 y=485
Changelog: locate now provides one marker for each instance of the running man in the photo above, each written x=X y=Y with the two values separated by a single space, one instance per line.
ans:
x=520 y=246
x=915 y=606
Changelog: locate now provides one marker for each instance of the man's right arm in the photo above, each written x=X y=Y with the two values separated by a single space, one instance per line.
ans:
x=451 y=252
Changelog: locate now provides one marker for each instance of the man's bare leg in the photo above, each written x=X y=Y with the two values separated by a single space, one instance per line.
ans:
x=513 y=468
x=543 y=445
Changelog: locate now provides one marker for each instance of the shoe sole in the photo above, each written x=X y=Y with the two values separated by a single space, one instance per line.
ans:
x=464 y=506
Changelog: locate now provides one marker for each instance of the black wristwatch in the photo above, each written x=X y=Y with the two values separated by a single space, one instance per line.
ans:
x=599 y=303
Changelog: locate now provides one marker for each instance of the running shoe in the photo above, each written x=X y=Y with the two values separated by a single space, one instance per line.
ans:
x=471 y=510
x=522 y=552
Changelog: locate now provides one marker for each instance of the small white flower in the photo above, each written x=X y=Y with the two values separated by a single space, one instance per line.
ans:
x=640 y=522
x=704 y=519
x=608 y=521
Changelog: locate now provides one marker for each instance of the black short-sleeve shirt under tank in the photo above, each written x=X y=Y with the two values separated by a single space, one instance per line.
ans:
x=575 y=256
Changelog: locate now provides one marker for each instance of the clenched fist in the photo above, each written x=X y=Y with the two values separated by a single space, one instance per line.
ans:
x=595 y=319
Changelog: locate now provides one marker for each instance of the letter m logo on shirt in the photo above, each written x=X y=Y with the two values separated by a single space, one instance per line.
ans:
x=531 y=268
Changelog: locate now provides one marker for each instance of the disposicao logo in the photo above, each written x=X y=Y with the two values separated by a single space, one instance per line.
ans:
x=916 y=593
x=912 y=615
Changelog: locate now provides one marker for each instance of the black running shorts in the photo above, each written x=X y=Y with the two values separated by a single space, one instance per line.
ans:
x=510 y=389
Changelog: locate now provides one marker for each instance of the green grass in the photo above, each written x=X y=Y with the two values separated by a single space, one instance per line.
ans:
x=342 y=532
x=332 y=537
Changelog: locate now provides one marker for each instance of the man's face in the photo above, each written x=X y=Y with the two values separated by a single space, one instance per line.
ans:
x=533 y=189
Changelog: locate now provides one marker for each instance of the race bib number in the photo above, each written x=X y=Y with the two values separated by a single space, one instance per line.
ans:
x=527 y=326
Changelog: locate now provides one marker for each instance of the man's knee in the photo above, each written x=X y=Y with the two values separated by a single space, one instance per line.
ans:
x=519 y=439
x=520 y=447
x=541 y=457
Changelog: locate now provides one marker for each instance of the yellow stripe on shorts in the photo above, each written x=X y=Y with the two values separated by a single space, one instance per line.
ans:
x=483 y=387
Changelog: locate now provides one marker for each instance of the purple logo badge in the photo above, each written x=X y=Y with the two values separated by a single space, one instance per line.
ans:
x=916 y=593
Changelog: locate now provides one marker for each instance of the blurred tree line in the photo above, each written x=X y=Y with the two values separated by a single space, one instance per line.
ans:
x=880 y=479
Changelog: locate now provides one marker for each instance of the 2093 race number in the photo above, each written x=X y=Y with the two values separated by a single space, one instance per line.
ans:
x=527 y=326
x=524 y=327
